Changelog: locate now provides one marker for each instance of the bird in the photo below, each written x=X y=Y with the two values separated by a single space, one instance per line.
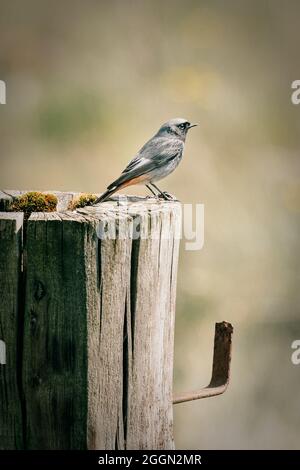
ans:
x=156 y=159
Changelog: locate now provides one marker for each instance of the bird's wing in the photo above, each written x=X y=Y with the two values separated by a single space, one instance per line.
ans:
x=153 y=155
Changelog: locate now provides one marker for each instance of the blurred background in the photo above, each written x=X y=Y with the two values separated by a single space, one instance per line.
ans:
x=89 y=82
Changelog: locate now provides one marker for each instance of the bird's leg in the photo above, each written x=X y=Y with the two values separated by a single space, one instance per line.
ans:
x=150 y=189
x=157 y=189
x=165 y=195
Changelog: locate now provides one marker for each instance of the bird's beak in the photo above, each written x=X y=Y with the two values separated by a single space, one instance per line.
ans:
x=192 y=125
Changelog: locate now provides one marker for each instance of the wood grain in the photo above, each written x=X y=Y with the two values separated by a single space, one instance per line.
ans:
x=55 y=331
x=11 y=431
x=97 y=367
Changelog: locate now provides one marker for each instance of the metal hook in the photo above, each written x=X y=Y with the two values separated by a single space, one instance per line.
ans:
x=221 y=366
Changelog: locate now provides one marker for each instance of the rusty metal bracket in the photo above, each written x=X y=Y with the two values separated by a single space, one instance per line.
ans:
x=221 y=366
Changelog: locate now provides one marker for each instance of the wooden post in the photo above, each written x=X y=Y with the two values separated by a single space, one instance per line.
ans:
x=11 y=425
x=97 y=338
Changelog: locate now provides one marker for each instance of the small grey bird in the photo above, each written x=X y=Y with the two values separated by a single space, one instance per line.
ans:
x=156 y=159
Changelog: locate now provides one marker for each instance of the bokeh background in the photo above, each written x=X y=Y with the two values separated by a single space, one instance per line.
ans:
x=89 y=82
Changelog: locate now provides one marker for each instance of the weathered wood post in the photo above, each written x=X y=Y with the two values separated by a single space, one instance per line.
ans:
x=87 y=316
x=11 y=431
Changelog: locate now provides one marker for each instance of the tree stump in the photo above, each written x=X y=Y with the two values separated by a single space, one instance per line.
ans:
x=87 y=317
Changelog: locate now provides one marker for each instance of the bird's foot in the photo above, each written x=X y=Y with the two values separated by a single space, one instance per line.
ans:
x=167 y=196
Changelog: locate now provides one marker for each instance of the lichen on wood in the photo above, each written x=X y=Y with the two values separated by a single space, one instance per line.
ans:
x=82 y=200
x=34 y=201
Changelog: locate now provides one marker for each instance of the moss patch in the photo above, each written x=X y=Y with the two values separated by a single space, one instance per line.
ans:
x=82 y=201
x=34 y=202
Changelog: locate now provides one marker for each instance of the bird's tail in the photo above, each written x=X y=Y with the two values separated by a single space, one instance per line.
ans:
x=106 y=195
x=123 y=181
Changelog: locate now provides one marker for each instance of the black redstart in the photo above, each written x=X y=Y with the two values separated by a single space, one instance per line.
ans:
x=156 y=159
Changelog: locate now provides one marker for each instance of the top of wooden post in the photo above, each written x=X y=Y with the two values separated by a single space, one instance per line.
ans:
x=118 y=205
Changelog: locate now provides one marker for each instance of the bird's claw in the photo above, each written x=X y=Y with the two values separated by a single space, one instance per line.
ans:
x=167 y=196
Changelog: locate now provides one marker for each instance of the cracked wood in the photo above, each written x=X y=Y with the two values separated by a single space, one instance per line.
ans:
x=97 y=346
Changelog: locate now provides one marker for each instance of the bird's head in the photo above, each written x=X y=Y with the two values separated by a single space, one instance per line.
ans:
x=177 y=127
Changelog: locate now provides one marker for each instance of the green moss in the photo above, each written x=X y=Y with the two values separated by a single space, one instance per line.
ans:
x=82 y=201
x=34 y=202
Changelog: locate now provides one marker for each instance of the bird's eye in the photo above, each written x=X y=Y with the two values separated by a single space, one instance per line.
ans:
x=182 y=126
